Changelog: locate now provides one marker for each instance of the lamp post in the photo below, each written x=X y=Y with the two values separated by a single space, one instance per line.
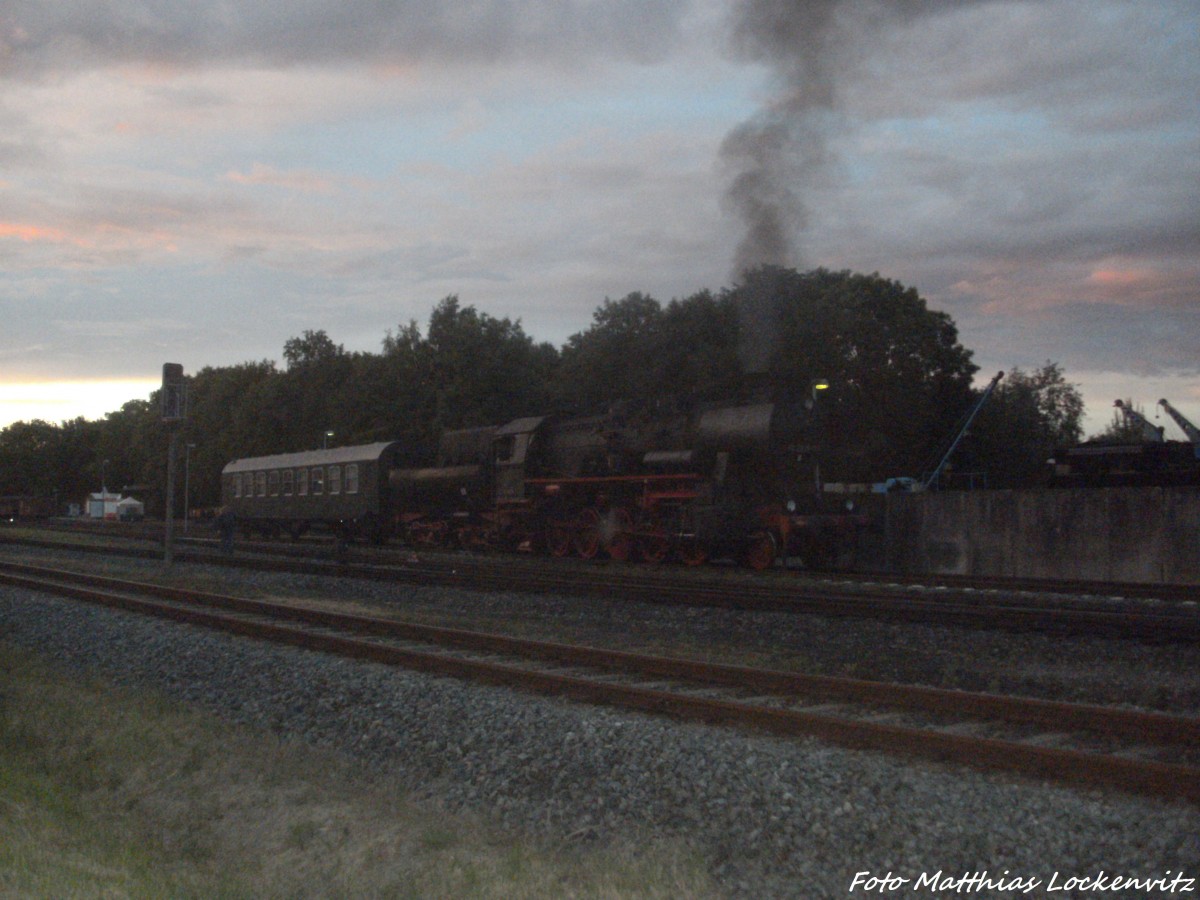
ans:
x=103 y=489
x=173 y=398
x=325 y=440
x=818 y=385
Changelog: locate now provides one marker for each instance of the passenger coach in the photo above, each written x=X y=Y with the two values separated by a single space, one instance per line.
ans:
x=343 y=490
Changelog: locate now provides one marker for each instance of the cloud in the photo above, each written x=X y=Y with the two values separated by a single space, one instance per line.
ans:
x=298 y=180
x=61 y=401
x=253 y=170
x=773 y=159
x=1015 y=123
x=1007 y=158
x=38 y=38
x=28 y=232
x=120 y=329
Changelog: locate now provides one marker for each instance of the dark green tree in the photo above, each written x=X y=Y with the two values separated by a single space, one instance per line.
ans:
x=898 y=376
x=24 y=449
x=399 y=391
x=63 y=463
x=1029 y=417
x=613 y=359
x=481 y=370
x=899 y=381
x=133 y=442
x=224 y=423
x=636 y=349
x=312 y=348
x=74 y=461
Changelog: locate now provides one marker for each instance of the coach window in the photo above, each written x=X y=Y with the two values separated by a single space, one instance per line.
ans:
x=289 y=482
x=302 y=482
x=237 y=486
x=260 y=484
x=318 y=480
x=273 y=483
x=352 y=478
x=335 y=479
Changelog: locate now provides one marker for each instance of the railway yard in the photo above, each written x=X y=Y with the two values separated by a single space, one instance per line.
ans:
x=818 y=729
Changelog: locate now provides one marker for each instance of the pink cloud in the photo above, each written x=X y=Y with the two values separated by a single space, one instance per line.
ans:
x=31 y=233
x=299 y=180
x=1118 y=278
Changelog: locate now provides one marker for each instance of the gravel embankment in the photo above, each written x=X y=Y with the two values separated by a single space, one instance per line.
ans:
x=775 y=817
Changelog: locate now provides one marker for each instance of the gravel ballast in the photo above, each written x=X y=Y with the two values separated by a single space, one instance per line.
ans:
x=775 y=817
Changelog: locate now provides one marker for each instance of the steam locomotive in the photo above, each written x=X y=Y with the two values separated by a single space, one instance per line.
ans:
x=650 y=481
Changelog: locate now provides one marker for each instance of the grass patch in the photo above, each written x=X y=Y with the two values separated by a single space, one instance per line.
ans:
x=107 y=792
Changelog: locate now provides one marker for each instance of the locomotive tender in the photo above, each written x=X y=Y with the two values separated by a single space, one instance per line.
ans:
x=642 y=480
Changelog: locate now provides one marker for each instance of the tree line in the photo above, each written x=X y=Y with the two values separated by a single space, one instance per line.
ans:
x=898 y=376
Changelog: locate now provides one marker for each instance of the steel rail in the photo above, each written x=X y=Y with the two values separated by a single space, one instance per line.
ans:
x=1161 y=590
x=1172 y=780
x=1161 y=623
x=1130 y=723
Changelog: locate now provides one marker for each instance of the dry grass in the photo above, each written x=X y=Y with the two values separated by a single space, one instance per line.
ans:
x=107 y=793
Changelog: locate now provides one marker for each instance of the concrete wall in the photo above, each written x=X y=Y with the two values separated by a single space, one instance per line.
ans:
x=1106 y=534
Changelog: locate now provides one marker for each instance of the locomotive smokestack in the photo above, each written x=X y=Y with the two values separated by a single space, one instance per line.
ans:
x=758 y=324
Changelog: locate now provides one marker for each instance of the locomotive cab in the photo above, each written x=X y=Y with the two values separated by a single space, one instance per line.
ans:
x=512 y=450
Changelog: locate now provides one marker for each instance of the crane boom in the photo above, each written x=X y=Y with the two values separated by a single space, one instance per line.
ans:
x=960 y=429
x=1151 y=433
x=1189 y=429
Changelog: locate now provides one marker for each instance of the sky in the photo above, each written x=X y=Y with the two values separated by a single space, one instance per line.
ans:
x=197 y=182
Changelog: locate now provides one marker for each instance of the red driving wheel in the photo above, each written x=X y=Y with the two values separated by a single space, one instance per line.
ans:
x=587 y=533
x=760 y=550
x=619 y=527
x=558 y=539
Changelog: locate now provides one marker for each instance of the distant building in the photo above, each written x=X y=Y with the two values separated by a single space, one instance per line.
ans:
x=103 y=505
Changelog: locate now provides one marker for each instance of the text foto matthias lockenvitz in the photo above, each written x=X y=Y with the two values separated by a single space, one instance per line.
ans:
x=1010 y=883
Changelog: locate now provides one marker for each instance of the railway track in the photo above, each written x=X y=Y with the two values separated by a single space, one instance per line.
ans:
x=1129 y=750
x=1147 y=619
x=1165 y=592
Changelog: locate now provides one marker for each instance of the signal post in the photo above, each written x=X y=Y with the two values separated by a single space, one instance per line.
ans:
x=174 y=414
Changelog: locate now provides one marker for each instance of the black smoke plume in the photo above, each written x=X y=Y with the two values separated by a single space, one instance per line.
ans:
x=775 y=158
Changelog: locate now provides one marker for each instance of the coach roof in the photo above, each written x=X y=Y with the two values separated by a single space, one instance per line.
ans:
x=363 y=453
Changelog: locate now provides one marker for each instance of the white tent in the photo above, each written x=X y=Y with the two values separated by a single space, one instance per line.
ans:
x=130 y=510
